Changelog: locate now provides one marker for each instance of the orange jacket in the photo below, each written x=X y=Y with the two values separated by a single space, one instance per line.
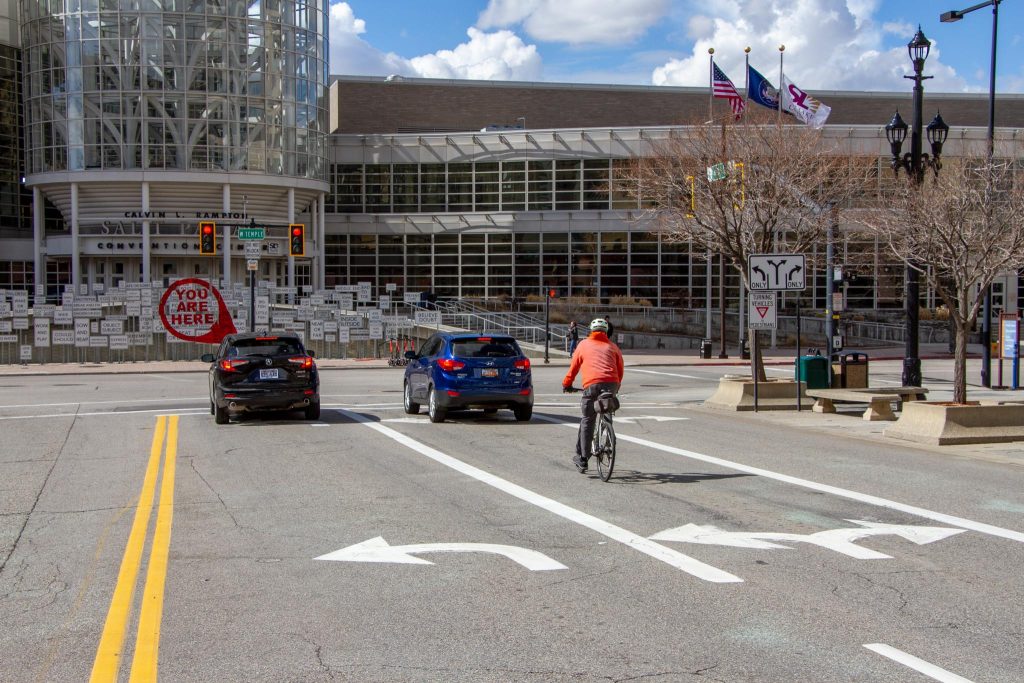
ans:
x=598 y=358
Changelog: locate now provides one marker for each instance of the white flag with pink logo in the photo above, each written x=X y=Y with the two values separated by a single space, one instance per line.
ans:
x=809 y=110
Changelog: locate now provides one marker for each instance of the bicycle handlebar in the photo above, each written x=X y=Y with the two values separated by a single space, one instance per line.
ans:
x=571 y=390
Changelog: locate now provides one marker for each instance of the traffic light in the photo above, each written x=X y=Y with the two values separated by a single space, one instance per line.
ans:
x=207 y=238
x=297 y=239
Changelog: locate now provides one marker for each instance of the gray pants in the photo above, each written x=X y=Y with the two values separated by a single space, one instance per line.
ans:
x=589 y=420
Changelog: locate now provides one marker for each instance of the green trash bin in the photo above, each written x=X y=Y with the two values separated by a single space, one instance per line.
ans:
x=813 y=370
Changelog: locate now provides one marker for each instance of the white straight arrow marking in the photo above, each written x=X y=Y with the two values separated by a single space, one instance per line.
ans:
x=839 y=540
x=656 y=418
x=379 y=550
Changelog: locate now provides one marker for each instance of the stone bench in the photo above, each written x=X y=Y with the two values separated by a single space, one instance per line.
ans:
x=879 y=399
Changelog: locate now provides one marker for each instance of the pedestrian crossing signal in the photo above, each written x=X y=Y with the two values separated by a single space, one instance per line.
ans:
x=297 y=239
x=207 y=238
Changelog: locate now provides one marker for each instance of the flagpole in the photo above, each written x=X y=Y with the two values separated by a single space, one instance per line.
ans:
x=746 y=71
x=782 y=48
x=711 y=86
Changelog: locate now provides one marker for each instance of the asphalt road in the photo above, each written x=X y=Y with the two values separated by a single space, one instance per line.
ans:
x=135 y=534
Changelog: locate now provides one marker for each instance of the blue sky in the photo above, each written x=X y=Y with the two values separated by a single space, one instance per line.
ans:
x=830 y=44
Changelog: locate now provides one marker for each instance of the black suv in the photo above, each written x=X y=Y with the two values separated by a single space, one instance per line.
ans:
x=253 y=372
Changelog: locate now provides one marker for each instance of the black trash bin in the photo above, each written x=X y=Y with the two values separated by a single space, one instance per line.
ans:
x=705 y=348
x=853 y=371
x=813 y=371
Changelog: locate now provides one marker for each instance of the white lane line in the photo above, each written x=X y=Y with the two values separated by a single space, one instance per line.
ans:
x=97 y=403
x=919 y=665
x=110 y=413
x=814 y=486
x=637 y=542
x=672 y=374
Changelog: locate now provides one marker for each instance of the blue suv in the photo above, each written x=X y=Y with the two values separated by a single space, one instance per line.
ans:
x=453 y=371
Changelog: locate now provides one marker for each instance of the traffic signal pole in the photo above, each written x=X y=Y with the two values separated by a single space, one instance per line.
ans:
x=547 y=325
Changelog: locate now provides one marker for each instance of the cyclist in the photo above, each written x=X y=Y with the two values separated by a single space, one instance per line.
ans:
x=601 y=364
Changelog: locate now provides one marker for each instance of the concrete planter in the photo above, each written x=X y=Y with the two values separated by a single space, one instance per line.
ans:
x=940 y=425
x=737 y=393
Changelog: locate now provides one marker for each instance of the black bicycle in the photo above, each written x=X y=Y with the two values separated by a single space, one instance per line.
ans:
x=602 y=446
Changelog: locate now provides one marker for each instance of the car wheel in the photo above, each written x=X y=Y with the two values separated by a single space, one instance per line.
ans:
x=220 y=415
x=436 y=412
x=411 y=406
x=213 y=408
x=313 y=411
x=523 y=413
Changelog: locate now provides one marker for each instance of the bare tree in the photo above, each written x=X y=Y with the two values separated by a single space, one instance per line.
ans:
x=783 y=186
x=959 y=230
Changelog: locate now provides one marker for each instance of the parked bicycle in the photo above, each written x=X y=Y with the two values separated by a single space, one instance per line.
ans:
x=603 y=443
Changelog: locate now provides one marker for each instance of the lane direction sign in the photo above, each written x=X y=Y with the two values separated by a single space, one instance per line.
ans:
x=776 y=272
x=379 y=550
x=839 y=540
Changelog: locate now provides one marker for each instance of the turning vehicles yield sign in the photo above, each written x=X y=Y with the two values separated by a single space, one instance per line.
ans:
x=762 y=312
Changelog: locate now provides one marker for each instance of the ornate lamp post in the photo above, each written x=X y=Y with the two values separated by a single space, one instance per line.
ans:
x=986 y=322
x=914 y=164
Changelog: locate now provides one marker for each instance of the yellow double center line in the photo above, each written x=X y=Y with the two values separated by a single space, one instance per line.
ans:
x=110 y=652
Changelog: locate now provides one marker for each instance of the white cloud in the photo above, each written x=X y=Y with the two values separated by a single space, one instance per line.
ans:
x=352 y=55
x=577 y=22
x=500 y=55
x=830 y=45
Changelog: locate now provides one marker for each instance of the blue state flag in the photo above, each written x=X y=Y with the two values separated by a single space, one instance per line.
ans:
x=760 y=90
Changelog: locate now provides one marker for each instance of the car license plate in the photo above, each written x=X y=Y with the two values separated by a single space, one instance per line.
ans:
x=269 y=374
x=489 y=372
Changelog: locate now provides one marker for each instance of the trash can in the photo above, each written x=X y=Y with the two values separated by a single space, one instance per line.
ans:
x=813 y=370
x=705 y=348
x=853 y=371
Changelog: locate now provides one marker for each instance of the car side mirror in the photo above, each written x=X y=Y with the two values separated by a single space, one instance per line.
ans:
x=207 y=358
x=411 y=355
x=311 y=353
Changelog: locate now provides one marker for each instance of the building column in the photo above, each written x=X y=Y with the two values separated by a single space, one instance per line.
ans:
x=321 y=207
x=291 y=259
x=226 y=239
x=146 y=271
x=76 y=264
x=38 y=262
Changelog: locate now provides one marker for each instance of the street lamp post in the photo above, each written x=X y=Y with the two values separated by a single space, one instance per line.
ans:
x=914 y=164
x=986 y=322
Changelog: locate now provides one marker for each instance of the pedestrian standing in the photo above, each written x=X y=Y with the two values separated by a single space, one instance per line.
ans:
x=611 y=329
x=574 y=336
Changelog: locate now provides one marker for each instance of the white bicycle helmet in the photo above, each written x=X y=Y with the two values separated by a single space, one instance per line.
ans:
x=599 y=325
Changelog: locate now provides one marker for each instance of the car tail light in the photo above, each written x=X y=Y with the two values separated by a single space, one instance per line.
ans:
x=524 y=392
x=230 y=396
x=228 y=365
x=450 y=364
x=522 y=364
x=304 y=362
x=452 y=393
x=307 y=392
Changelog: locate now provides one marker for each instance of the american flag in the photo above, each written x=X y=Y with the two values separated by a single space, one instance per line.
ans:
x=722 y=87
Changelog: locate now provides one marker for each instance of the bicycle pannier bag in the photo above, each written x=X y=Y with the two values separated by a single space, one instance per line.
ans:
x=606 y=403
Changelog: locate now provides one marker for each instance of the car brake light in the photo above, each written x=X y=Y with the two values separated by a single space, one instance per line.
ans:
x=522 y=364
x=524 y=392
x=483 y=339
x=304 y=362
x=228 y=365
x=450 y=365
x=452 y=393
x=266 y=338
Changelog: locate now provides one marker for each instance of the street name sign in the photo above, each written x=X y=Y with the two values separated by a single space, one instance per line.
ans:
x=251 y=233
x=762 y=311
x=776 y=272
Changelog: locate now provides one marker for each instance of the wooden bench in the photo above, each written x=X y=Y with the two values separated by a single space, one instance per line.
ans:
x=879 y=399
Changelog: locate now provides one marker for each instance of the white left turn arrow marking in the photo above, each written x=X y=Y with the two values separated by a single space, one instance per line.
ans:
x=839 y=540
x=379 y=550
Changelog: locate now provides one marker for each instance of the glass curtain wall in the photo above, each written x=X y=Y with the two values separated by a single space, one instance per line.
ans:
x=217 y=85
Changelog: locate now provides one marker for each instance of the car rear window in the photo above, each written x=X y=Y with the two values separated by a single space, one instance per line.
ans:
x=484 y=347
x=266 y=346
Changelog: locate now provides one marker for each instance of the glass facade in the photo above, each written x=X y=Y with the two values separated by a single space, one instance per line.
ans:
x=15 y=199
x=217 y=85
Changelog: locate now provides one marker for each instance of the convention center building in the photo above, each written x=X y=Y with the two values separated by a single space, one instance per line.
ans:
x=125 y=124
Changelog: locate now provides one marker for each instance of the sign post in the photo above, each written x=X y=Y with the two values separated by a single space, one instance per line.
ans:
x=774 y=273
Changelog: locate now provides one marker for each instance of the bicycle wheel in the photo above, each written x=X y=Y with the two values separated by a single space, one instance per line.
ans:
x=605 y=451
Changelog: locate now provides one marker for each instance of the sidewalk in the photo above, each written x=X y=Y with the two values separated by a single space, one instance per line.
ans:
x=632 y=357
